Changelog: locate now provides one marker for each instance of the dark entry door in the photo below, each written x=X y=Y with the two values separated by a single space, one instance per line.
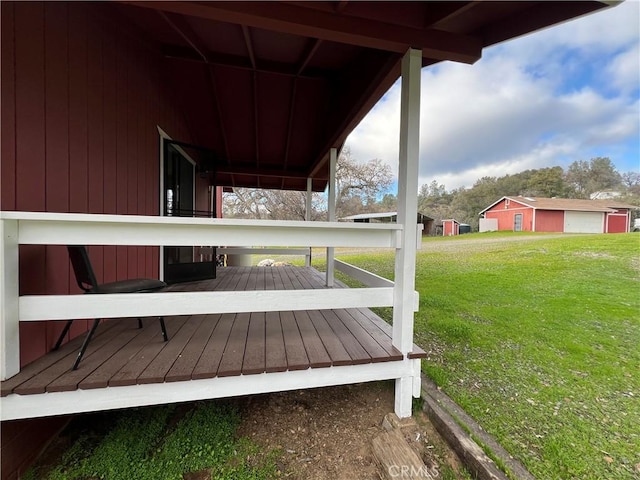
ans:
x=183 y=264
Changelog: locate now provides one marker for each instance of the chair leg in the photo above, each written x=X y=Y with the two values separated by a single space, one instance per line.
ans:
x=87 y=339
x=164 y=329
x=65 y=330
x=139 y=322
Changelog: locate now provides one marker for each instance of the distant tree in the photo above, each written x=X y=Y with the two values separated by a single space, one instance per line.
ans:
x=547 y=182
x=631 y=182
x=435 y=201
x=359 y=184
x=586 y=177
x=389 y=203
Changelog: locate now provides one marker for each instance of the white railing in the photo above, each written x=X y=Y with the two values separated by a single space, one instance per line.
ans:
x=35 y=228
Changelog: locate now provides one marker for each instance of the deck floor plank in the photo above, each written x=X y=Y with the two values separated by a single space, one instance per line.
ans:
x=233 y=355
x=130 y=371
x=38 y=383
x=373 y=348
x=207 y=366
x=66 y=353
x=383 y=337
x=254 y=355
x=317 y=354
x=332 y=344
x=184 y=365
x=275 y=353
x=356 y=351
x=294 y=347
x=96 y=354
x=100 y=377
x=157 y=370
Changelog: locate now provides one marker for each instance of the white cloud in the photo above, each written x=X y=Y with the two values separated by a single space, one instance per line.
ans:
x=530 y=103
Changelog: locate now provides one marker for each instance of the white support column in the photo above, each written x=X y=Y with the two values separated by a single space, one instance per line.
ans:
x=407 y=216
x=331 y=207
x=307 y=215
x=9 y=324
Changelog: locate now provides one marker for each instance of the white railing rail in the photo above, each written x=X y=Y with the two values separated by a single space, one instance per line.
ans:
x=370 y=279
x=36 y=228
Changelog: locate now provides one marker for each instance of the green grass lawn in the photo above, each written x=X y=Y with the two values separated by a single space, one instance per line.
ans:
x=538 y=340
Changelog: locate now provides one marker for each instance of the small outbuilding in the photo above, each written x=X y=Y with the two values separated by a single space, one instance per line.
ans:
x=537 y=214
x=450 y=227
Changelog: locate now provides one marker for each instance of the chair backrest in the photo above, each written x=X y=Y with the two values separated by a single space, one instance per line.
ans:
x=85 y=278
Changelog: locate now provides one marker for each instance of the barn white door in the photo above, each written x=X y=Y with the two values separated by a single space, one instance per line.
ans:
x=583 y=222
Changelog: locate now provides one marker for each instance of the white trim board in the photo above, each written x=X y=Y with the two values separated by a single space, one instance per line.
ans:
x=14 y=407
x=117 y=305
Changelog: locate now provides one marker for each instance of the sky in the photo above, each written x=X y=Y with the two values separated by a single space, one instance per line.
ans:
x=570 y=92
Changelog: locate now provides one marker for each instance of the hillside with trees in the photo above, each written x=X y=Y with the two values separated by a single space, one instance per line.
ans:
x=363 y=188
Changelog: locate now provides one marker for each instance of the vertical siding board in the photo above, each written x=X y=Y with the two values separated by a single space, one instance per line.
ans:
x=8 y=115
x=78 y=129
x=57 y=108
x=57 y=147
x=30 y=92
x=78 y=168
x=30 y=158
x=121 y=150
x=109 y=180
x=142 y=157
x=153 y=189
x=133 y=99
x=95 y=135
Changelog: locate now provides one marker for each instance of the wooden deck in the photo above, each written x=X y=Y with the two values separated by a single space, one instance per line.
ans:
x=215 y=346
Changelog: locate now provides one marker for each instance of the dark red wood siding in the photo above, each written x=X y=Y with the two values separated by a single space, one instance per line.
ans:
x=82 y=95
x=550 y=221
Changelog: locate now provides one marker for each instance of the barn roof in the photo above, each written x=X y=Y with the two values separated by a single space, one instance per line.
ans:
x=541 y=203
x=270 y=87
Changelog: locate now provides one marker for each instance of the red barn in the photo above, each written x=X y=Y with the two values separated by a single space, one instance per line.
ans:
x=537 y=214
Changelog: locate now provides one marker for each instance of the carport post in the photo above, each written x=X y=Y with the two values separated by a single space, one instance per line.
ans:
x=331 y=207
x=403 y=292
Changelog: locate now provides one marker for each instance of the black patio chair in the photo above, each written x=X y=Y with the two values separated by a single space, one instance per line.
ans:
x=86 y=280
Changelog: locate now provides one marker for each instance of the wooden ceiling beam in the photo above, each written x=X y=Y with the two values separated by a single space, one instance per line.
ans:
x=243 y=63
x=308 y=22
x=230 y=169
x=440 y=12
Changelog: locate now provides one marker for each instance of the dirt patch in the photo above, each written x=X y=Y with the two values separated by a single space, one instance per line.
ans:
x=326 y=433
x=317 y=434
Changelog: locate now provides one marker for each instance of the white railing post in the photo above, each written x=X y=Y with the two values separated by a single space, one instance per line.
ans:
x=331 y=210
x=307 y=215
x=9 y=318
x=407 y=216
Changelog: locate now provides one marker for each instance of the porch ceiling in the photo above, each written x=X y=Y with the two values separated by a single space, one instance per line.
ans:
x=272 y=86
